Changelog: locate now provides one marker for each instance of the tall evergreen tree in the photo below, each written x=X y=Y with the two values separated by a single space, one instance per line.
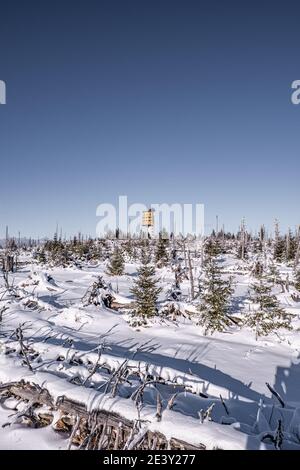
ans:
x=116 y=263
x=279 y=244
x=161 y=254
x=41 y=255
x=267 y=315
x=212 y=248
x=279 y=249
x=297 y=248
x=242 y=251
x=258 y=269
x=297 y=280
x=215 y=296
x=145 y=252
x=290 y=246
x=128 y=247
x=273 y=273
x=145 y=290
x=243 y=238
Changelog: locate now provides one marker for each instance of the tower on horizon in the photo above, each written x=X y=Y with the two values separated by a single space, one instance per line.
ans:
x=148 y=221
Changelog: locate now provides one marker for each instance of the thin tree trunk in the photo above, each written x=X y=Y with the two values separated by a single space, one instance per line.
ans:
x=191 y=276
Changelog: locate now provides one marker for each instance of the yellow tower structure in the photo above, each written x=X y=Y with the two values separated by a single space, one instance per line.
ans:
x=148 y=221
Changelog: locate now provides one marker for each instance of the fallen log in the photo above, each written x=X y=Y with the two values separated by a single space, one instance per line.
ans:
x=117 y=306
x=93 y=424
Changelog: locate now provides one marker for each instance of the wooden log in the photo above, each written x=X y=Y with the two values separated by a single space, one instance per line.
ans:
x=116 y=305
x=107 y=419
x=111 y=418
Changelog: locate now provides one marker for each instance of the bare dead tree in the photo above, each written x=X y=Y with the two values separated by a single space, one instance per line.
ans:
x=114 y=376
x=171 y=402
x=224 y=405
x=2 y=310
x=25 y=413
x=96 y=365
x=102 y=436
x=74 y=430
x=119 y=429
x=206 y=414
x=191 y=276
x=276 y=395
x=243 y=239
x=158 y=415
x=275 y=437
x=20 y=337
x=297 y=255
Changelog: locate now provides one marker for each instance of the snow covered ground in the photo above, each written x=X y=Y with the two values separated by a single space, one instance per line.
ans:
x=64 y=337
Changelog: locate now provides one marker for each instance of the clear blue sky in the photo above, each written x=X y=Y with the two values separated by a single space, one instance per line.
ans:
x=165 y=101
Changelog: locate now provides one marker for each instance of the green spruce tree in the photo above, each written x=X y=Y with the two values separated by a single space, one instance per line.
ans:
x=41 y=256
x=273 y=273
x=145 y=290
x=297 y=280
x=215 y=297
x=128 y=247
x=116 y=263
x=267 y=316
x=258 y=269
x=290 y=246
x=212 y=248
x=161 y=253
x=279 y=244
x=279 y=249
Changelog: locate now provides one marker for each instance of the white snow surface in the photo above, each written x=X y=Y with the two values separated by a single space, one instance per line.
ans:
x=232 y=364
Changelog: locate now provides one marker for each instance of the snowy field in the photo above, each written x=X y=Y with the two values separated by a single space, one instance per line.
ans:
x=66 y=339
